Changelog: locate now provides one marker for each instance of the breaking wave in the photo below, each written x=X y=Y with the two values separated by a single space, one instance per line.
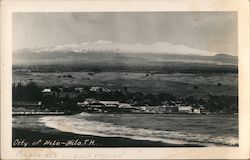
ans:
x=78 y=124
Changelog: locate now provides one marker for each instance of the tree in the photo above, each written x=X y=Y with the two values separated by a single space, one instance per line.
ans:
x=195 y=87
x=125 y=89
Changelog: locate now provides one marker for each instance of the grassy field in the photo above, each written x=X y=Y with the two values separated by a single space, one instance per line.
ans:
x=179 y=84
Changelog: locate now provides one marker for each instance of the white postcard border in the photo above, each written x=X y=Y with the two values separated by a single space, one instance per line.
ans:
x=8 y=7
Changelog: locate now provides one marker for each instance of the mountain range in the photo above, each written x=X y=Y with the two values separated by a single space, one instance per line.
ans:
x=116 y=53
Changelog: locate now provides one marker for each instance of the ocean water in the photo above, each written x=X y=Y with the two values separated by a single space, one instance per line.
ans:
x=207 y=130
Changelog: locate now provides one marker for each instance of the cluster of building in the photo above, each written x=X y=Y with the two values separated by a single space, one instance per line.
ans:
x=72 y=93
x=98 y=106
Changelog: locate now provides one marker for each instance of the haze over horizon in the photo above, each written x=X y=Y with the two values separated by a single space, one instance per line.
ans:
x=206 y=32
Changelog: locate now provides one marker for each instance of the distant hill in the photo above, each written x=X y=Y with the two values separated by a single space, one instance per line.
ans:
x=225 y=58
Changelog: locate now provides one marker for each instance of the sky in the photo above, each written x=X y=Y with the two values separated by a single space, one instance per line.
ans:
x=211 y=31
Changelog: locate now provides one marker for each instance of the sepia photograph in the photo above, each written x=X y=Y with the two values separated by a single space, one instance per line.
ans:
x=125 y=79
x=132 y=80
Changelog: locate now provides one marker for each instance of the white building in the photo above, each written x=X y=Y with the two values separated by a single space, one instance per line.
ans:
x=94 y=102
x=110 y=103
x=46 y=90
x=197 y=111
x=185 y=109
x=95 y=89
x=98 y=89
x=124 y=105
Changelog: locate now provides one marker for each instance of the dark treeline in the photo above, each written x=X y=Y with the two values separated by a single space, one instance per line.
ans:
x=32 y=92
x=29 y=92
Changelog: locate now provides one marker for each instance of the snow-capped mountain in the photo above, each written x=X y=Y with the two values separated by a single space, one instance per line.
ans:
x=113 y=47
x=111 y=52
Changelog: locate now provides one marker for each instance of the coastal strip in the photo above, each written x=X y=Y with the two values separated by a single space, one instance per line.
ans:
x=57 y=138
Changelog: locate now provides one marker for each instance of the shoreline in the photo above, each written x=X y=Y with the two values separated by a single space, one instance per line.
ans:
x=29 y=129
x=28 y=138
